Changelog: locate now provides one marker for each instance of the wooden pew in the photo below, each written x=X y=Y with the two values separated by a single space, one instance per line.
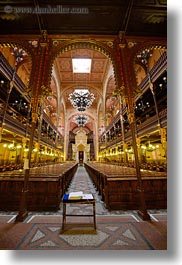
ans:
x=122 y=194
x=118 y=186
x=46 y=187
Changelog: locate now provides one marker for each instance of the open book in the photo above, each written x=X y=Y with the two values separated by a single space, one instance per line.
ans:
x=87 y=196
x=77 y=195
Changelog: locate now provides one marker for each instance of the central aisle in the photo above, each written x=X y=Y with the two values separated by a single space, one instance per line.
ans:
x=82 y=182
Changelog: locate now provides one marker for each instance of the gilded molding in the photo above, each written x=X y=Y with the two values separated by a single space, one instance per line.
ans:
x=34 y=117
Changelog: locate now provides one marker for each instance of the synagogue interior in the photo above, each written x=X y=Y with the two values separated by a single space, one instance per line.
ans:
x=83 y=84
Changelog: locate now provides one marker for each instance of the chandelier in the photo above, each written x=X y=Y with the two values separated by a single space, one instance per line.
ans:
x=81 y=99
x=19 y=54
x=144 y=56
x=81 y=120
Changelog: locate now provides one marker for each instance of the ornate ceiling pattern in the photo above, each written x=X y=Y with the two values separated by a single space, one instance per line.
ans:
x=93 y=81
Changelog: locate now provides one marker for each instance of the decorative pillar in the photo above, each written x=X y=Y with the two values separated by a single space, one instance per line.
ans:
x=96 y=140
x=142 y=205
x=123 y=132
x=163 y=133
x=125 y=147
x=138 y=141
x=127 y=82
x=40 y=119
x=37 y=147
x=24 y=141
x=39 y=85
x=45 y=153
x=120 y=94
x=66 y=138
x=6 y=155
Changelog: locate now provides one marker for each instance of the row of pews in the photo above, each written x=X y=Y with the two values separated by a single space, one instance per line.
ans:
x=118 y=186
x=46 y=186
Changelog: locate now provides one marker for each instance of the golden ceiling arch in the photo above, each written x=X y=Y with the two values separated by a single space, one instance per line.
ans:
x=60 y=47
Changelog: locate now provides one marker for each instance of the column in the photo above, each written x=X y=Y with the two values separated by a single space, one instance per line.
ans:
x=66 y=138
x=127 y=82
x=23 y=153
x=138 y=141
x=39 y=87
x=163 y=133
x=6 y=154
x=40 y=118
x=96 y=140
x=36 y=155
x=125 y=146
x=125 y=158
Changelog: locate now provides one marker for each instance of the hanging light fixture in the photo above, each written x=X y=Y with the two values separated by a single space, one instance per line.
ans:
x=81 y=120
x=144 y=56
x=20 y=105
x=81 y=99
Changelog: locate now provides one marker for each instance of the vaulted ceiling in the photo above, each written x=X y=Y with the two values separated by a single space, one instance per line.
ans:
x=94 y=81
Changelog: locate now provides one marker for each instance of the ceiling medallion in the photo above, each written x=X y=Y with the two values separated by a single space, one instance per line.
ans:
x=81 y=120
x=81 y=99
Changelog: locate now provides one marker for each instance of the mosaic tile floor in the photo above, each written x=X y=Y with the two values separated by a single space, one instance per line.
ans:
x=113 y=233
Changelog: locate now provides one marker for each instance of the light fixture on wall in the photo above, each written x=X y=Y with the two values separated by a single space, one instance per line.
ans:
x=149 y=147
x=81 y=120
x=81 y=99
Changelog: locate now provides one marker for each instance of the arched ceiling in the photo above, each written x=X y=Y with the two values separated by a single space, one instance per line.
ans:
x=93 y=81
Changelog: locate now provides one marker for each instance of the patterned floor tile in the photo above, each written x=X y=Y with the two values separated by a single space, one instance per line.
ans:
x=114 y=235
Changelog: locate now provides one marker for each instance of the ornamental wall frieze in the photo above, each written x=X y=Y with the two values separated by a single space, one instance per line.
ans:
x=68 y=45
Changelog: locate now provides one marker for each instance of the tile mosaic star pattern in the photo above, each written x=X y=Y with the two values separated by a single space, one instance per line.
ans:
x=85 y=240
x=120 y=235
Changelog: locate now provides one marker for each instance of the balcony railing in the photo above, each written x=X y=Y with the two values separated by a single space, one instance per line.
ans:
x=148 y=126
x=15 y=123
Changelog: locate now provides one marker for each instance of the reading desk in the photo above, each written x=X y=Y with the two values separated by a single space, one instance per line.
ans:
x=86 y=199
